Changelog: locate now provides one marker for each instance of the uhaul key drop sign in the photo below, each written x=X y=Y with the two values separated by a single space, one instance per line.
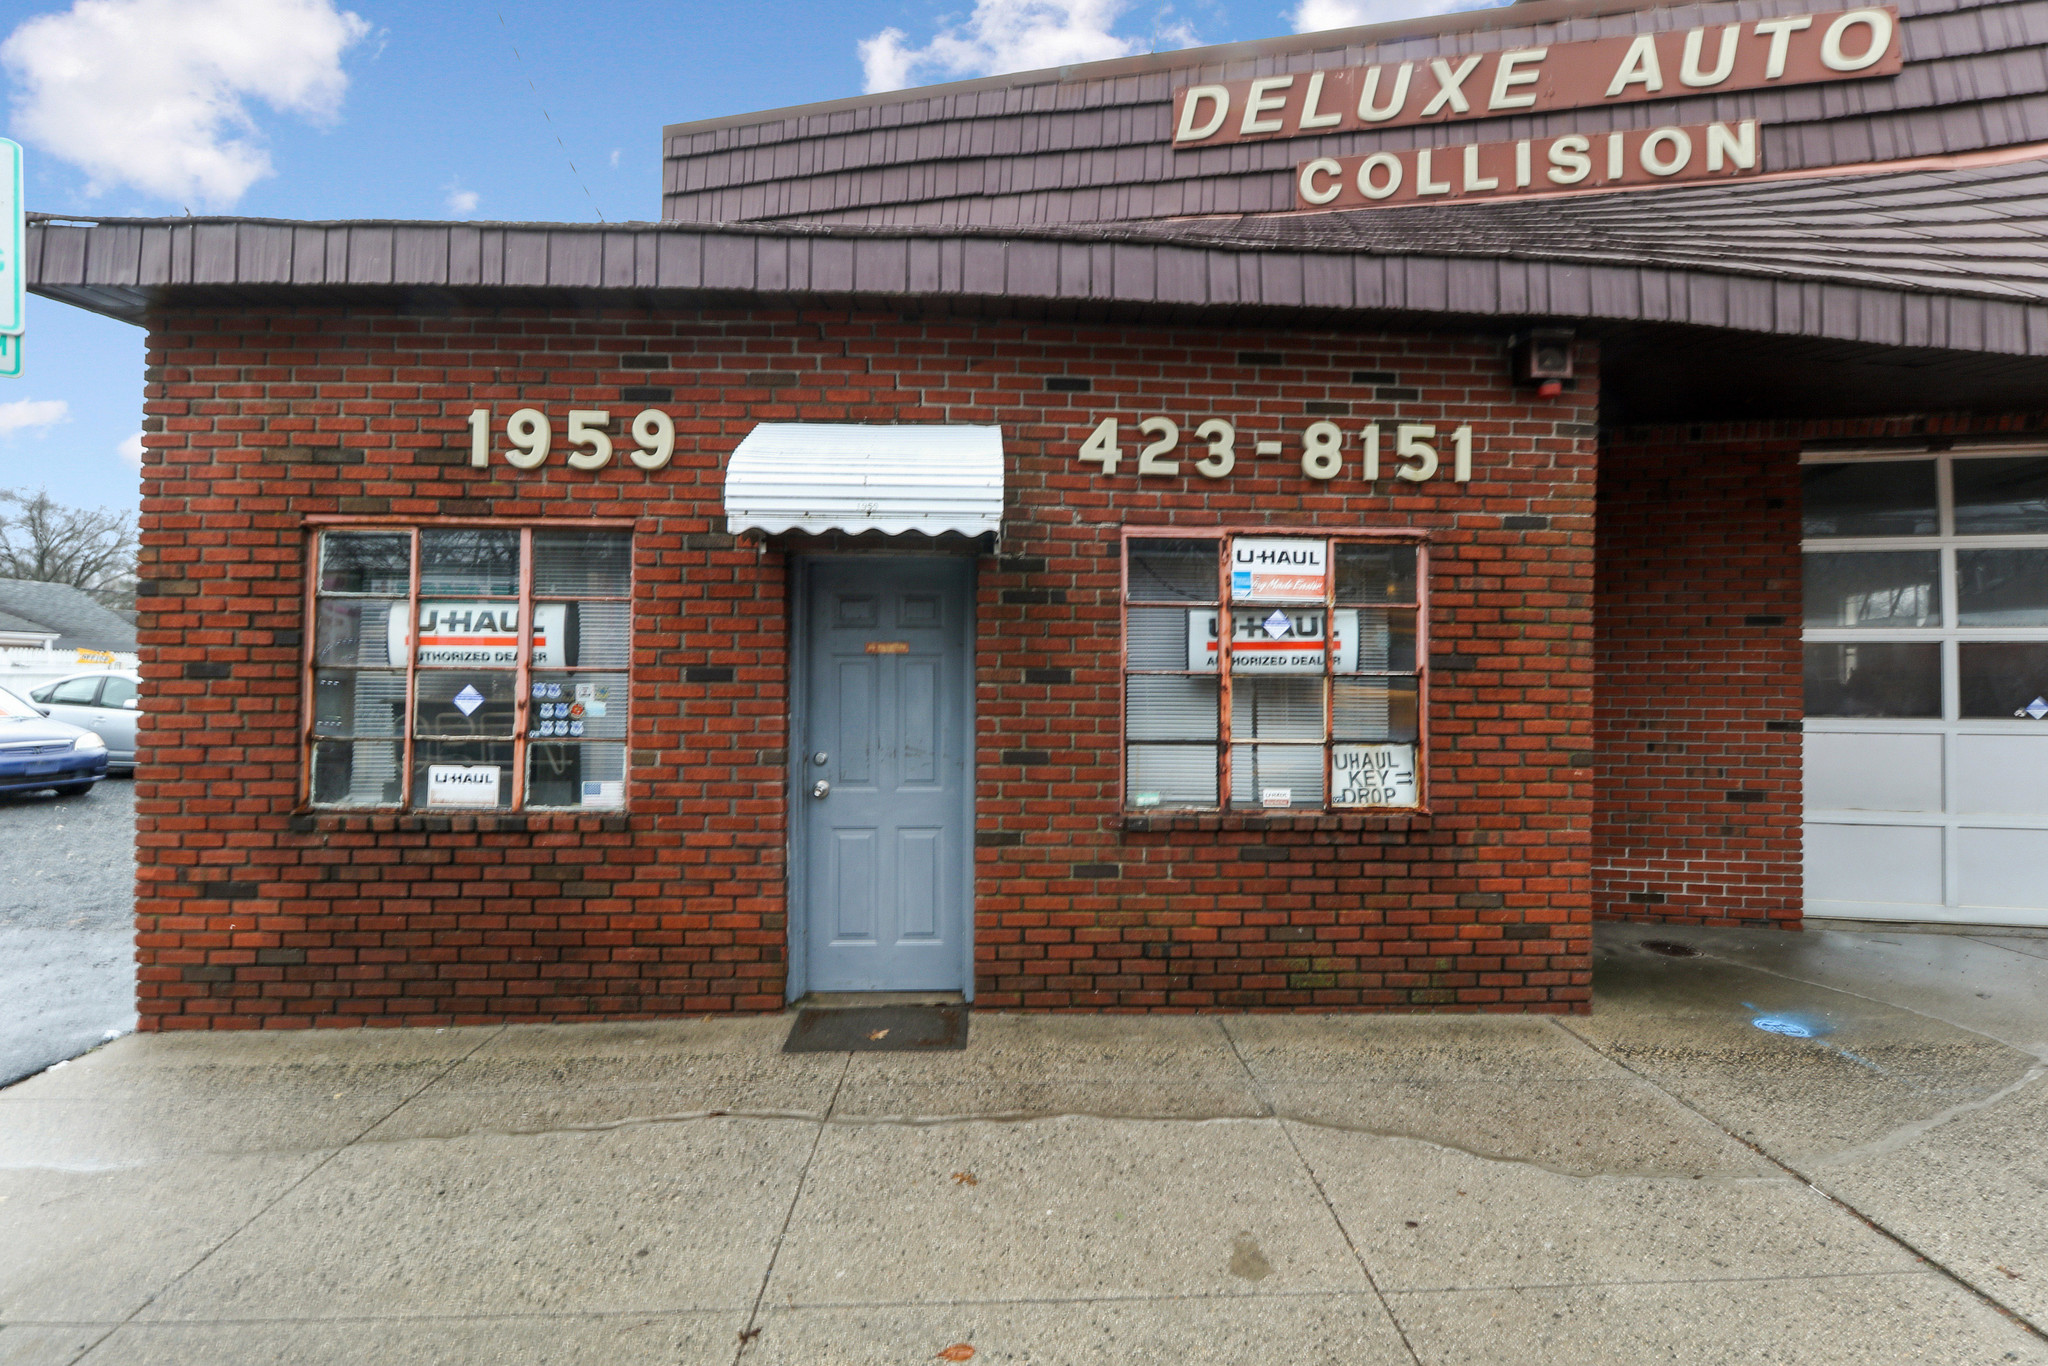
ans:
x=1276 y=570
x=483 y=634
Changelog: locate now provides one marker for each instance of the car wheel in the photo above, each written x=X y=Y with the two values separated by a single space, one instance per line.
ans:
x=73 y=789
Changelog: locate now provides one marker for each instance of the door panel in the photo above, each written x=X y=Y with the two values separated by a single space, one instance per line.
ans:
x=1889 y=863
x=887 y=873
x=1873 y=772
x=853 y=886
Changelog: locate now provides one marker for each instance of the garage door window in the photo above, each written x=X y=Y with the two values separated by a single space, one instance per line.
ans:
x=1927 y=587
x=470 y=668
x=1272 y=671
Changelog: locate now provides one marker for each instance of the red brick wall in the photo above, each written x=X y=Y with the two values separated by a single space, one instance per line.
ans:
x=254 y=913
x=1697 y=699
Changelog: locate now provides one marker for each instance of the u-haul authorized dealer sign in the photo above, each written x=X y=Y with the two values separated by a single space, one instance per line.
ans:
x=483 y=634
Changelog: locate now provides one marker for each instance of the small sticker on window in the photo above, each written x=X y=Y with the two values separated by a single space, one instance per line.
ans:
x=1145 y=799
x=1276 y=796
x=605 y=795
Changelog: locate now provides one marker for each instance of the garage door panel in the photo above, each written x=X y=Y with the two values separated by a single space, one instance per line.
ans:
x=2002 y=774
x=1895 y=863
x=1873 y=772
x=2006 y=868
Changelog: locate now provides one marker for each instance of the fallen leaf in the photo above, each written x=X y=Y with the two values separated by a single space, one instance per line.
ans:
x=2013 y=1274
x=959 y=1351
x=748 y=1335
x=964 y=1179
x=883 y=1034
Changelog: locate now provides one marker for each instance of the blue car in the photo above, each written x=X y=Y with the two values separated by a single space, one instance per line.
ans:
x=36 y=752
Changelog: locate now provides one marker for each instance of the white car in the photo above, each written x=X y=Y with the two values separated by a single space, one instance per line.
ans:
x=105 y=703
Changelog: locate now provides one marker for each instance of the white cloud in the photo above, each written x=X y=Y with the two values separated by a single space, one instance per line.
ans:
x=615 y=158
x=152 y=93
x=1011 y=35
x=1313 y=15
x=131 y=452
x=28 y=414
x=461 y=203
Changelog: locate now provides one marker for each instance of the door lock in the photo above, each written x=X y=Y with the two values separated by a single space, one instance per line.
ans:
x=820 y=788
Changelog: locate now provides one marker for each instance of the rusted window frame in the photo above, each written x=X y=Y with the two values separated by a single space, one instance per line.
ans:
x=1224 y=535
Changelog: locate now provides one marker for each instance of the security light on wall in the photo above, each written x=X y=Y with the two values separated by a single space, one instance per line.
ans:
x=1542 y=357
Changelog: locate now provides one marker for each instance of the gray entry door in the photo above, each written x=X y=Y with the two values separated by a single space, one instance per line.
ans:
x=888 y=846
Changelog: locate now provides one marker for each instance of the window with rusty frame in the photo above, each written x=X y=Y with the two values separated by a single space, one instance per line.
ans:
x=1313 y=699
x=480 y=668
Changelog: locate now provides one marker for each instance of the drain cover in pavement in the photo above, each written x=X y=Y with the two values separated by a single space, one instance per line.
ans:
x=878 y=1029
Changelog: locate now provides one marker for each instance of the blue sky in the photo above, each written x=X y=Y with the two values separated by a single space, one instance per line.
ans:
x=317 y=109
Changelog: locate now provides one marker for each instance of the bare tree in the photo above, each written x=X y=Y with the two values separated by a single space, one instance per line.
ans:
x=92 y=549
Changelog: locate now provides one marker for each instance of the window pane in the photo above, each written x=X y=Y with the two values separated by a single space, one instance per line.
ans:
x=592 y=777
x=365 y=562
x=455 y=773
x=1275 y=777
x=1873 y=588
x=469 y=561
x=356 y=773
x=357 y=631
x=583 y=633
x=117 y=692
x=348 y=702
x=1173 y=571
x=1276 y=709
x=2002 y=587
x=2001 y=496
x=1159 y=636
x=580 y=564
x=1376 y=709
x=464 y=702
x=1375 y=573
x=76 y=692
x=2003 y=680
x=1870 y=498
x=1162 y=707
x=578 y=706
x=1386 y=640
x=1374 y=775
x=1877 y=679
x=1170 y=775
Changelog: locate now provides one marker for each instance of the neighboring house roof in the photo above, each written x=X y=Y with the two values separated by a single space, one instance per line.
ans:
x=11 y=625
x=80 y=622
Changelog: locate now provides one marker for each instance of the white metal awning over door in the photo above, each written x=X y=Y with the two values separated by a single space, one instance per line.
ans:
x=824 y=476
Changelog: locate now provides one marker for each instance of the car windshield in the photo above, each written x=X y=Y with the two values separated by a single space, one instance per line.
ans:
x=13 y=707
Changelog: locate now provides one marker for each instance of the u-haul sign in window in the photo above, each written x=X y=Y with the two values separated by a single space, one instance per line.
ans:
x=1274 y=640
x=485 y=635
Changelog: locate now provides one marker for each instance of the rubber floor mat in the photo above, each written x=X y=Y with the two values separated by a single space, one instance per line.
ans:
x=878 y=1029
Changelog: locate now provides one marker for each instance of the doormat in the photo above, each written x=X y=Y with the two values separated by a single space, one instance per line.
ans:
x=878 y=1029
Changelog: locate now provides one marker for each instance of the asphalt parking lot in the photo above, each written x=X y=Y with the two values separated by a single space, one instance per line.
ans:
x=67 y=911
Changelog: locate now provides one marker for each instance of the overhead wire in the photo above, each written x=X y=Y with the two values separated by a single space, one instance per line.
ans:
x=543 y=107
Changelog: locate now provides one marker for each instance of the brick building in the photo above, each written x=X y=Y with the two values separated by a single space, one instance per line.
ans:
x=988 y=539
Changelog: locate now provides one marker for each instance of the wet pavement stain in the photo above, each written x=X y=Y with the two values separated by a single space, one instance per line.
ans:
x=1247 y=1263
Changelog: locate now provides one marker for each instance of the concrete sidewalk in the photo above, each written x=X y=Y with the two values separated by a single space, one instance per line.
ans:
x=1663 y=1181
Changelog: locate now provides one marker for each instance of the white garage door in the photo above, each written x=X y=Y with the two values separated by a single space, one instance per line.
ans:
x=1927 y=685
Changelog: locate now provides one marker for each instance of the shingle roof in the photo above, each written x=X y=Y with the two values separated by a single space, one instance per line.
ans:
x=1948 y=259
x=1093 y=142
x=81 y=622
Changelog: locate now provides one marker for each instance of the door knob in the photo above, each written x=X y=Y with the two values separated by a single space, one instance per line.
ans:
x=820 y=788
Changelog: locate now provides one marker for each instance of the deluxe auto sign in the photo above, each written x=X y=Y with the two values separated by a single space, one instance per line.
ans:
x=1715 y=59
